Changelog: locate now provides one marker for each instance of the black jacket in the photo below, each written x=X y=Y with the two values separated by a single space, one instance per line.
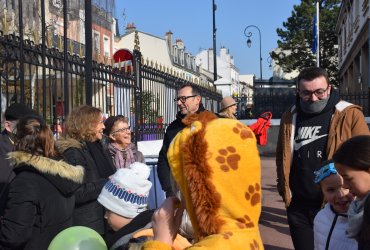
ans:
x=40 y=202
x=163 y=167
x=6 y=171
x=98 y=167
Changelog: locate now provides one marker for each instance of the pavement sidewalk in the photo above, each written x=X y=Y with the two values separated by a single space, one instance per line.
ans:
x=273 y=223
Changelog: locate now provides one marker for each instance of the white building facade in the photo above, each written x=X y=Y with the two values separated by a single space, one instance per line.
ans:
x=353 y=49
x=228 y=74
x=161 y=52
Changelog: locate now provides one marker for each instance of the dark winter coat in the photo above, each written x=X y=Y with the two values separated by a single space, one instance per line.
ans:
x=163 y=169
x=6 y=171
x=40 y=201
x=98 y=167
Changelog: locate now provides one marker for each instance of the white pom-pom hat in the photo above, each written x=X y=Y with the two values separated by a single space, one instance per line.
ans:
x=126 y=193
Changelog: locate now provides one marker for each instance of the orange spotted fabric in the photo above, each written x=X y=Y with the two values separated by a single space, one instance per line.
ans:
x=217 y=167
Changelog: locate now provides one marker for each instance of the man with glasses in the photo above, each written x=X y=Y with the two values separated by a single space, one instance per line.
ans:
x=12 y=114
x=188 y=101
x=310 y=132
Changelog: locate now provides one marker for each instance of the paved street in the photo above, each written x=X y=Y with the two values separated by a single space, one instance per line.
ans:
x=273 y=225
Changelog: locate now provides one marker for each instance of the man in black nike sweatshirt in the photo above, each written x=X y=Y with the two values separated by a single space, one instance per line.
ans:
x=310 y=132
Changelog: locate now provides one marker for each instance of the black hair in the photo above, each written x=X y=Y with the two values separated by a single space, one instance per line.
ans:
x=18 y=110
x=364 y=235
x=35 y=137
x=354 y=153
x=194 y=89
x=311 y=73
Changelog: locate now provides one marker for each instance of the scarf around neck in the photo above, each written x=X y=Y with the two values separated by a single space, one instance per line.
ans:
x=355 y=217
x=122 y=158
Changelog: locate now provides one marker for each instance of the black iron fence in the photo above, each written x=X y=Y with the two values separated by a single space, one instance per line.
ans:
x=277 y=99
x=274 y=100
x=145 y=94
x=361 y=99
x=268 y=96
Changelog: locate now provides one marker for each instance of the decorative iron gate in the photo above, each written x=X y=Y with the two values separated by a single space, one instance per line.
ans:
x=145 y=95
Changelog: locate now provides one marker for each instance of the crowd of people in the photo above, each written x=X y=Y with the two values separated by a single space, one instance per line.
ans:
x=209 y=167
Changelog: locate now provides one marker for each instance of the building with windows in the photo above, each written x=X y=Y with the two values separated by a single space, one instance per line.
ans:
x=162 y=53
x=246 y=88
x=103 y=25
x=352 y=29
x=228 y=74
x=30 y=26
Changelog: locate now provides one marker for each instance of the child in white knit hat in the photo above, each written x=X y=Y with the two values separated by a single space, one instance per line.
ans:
x=125 y=198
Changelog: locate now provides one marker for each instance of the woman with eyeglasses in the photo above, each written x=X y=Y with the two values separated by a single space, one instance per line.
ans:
x=41 y=196
x=122 y=151
x=82 y=146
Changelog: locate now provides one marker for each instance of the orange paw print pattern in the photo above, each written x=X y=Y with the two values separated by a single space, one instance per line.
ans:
x=253 y=194
x=227 y=235
x=254 y=245
x=244 y=222
x=241 y=129
x=228 y=158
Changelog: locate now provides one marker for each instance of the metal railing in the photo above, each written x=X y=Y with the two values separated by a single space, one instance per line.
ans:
x=361 y=99
x=144 y=95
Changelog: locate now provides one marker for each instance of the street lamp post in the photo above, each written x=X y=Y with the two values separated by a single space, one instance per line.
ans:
x=214 y=7
x=249 y=43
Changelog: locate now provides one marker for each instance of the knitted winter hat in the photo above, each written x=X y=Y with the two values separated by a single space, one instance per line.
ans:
x=110 y=121
x=18 y=110
x=126 y=193
x=227 y=102
x=216 y=164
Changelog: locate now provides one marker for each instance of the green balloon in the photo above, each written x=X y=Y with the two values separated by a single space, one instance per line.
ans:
x=77 y=238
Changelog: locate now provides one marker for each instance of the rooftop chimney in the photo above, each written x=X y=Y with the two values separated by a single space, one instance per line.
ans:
x=130 y=27
x=168 y=37
x=180 y=44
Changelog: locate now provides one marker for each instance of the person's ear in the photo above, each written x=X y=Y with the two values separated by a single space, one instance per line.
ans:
x=112 y=137
x=199 y=98
x=8 y=125
x=329 y=89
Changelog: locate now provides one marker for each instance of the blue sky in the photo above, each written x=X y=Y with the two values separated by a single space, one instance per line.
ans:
x=191 y=21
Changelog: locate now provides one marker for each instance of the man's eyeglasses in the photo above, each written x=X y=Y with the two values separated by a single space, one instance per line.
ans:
x=318 y=93
x=126 y=130
x=183 y=98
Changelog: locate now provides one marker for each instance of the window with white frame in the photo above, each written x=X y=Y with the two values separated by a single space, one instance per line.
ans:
x=106 y=46
x=182 y=57
x=96 y=42
x=175 y=55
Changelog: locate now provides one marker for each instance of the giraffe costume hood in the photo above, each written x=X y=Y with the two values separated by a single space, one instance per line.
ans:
x=216 y=164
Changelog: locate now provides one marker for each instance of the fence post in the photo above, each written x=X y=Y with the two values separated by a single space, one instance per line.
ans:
x=137 y=89
x=21 y=53
x=88 y=52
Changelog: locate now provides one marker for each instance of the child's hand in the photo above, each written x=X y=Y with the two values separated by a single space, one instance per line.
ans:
x=166 y=220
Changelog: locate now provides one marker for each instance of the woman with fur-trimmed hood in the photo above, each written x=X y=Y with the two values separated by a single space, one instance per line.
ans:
x=41 y=196
x=216 y=164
